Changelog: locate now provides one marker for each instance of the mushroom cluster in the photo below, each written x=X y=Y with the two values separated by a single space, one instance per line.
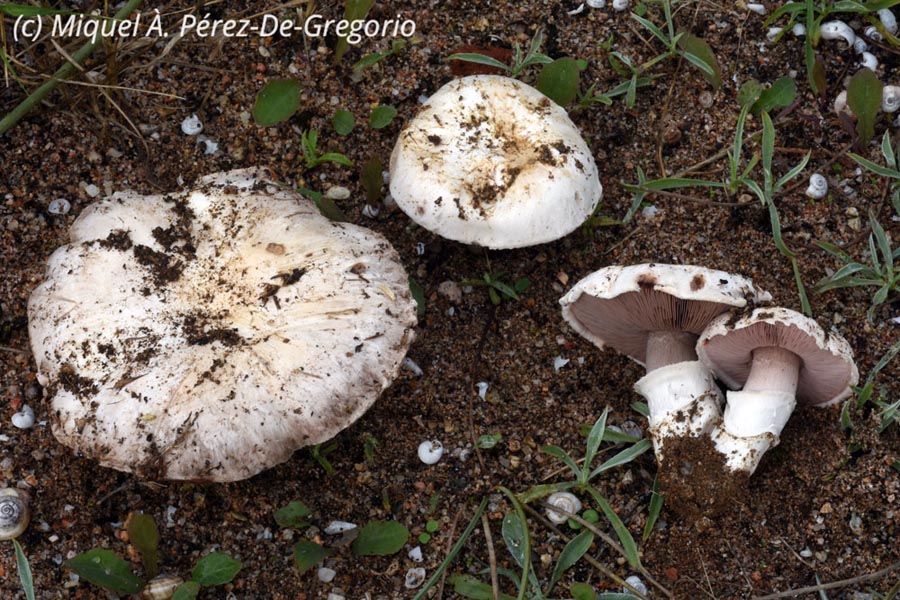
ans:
x=207 y=335
x=688 y=326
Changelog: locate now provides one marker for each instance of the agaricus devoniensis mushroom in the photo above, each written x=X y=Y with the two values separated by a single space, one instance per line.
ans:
x=654 y=313
x=207 y=335
x=491 y=161
x=779 y=357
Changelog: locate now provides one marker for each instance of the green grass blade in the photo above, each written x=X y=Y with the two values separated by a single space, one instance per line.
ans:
x=625 y=456
x=801 y=289
x=793 y=172
x=656 y=504
x=480 y=59
x=883 y=245
x=571 y=554
x=875 y=168
x=562 y=455
x=24 y=570
x=631 y=551
x=595 y=437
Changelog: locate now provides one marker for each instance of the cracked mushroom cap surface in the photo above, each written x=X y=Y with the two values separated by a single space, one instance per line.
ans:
x=827 y=369
x=208 y=334
x=489 y=160
x=619 y=306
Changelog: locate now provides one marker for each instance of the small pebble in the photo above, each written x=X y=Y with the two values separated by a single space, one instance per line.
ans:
x=412 y=367
x=559 y=362
x=60 y=206
x=91 y=190
x=705 y=99
x=414 y=578
x=451 y=291
x=24 y=419
x=191 y=125
x=337 y=192
x=430 y=451
x=325 y=574
x=336 y=527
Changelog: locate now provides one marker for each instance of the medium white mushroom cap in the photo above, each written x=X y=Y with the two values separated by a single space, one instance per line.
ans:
x=491 y=161
x=620 y=306
x=826 y=369
x=207 y=335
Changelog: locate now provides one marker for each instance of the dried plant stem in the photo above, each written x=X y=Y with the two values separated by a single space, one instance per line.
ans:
x=830 y=586
x=38 y=95
x=492 y=556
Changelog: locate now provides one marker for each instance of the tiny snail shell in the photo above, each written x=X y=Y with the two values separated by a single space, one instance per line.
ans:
x=890 y=98
x=430 y=451
x=869 y=61
x=888 y=20
x=161 y=587
x=873 y=34
x=840 y=104
x=14 y=513
x=833 y=30
x=818 y=186
x=567 y=502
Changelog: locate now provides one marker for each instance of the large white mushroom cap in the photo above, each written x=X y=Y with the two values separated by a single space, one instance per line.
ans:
x=491 y=161
x=207 y=335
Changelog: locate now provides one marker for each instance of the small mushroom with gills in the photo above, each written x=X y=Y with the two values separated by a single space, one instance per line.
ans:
x=779 y=357
x=654 y=313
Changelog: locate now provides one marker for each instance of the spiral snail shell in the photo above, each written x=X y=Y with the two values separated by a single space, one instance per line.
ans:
x=14 y=513
x=161 y=587
x=566 y=501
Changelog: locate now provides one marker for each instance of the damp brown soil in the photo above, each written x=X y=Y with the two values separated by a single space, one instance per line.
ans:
x=822 y=506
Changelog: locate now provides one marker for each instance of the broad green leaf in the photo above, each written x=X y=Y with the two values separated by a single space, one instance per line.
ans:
x=144 y=535
x=582 y=591
x=216 y=568
x=698 y=52
x=293 y=515
x=24 y=570
x=380 y=538
x=559 y=80
x=469 y=587
x=382 y=116
x=187 y=591
x=343 y=121
x=354 y=10
x=369 y=60
x=276 y=102
x=641 y=408
x=780 y=94
x=308 y=554
x=105 y=568
x=570 y=555
x=749 y=93
x=864 y=99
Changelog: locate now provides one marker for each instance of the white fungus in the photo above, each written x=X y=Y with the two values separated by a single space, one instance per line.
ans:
x=414 y=578
x=24 y=419
x=60 y=206
x=818 y=186
x=191 y=125
x=430 y=451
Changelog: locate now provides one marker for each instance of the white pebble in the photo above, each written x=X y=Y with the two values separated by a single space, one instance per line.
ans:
x=337 y=192
x=60 y=206
x=325 y=574
x=191 y=125
x=333 y=596
x=559 y=362
x=414 y=578
x=412 y=367
x=430 y=451
x=24 y=419
x=806 y=553
x=620 y=5
x=91 y=190
x=773 y=32
x=799 y=29
x=635 y=582
x=596 y=3
x=416 y=554
x=336 y=527
x=650 y=212
x=482 y=387
x=759 y=9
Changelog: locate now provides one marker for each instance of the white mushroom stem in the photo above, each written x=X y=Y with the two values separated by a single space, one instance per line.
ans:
x=755 y=416
x=682 y=396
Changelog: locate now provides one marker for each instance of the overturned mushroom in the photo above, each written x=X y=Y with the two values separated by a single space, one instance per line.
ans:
x=779 y=357
x=654 y=313
x=207 y=335
x=491 y=161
